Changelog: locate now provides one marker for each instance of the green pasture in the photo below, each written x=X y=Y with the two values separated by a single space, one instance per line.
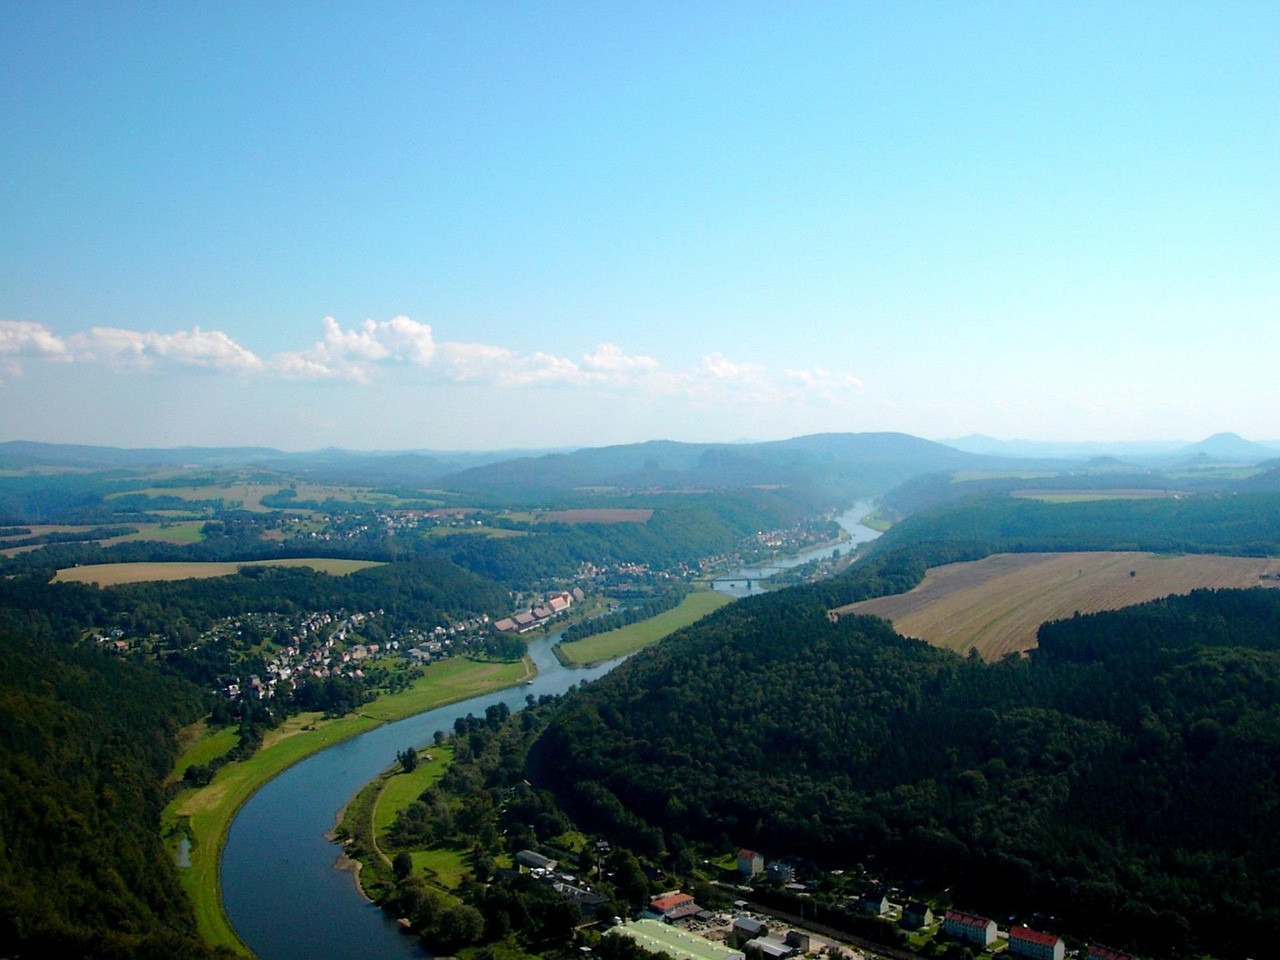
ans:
x=400 y=789
x=615 y=643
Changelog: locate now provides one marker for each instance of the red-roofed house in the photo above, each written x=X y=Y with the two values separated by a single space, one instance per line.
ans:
x=1025 y=942
x=1098 y=952
x=750 y=862
x=969 y=928
x=674 y=906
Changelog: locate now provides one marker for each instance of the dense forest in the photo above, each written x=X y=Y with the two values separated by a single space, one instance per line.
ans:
x=1123 y=777
x=85 y=742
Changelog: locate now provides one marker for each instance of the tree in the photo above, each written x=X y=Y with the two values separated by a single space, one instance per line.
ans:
x=402 y=865
x=408 y=759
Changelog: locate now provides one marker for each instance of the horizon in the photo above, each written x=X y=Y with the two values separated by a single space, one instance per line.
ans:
x=1152 y=446
x=481 y=228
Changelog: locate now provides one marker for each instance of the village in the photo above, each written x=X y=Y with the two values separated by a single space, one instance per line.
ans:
x=674 y=923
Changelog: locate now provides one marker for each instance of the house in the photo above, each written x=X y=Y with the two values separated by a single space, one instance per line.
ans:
x=795 y=938
x=969 y=928
x=505 y=625
x=1098 y=952
x=873 y=904
x=747 y=928
x=587 y=901
x=749 y=862
x=535 y=861
x=673 y=906
x=1025 y=942
x=779 y=872
x=916 y=915
x=767 y=948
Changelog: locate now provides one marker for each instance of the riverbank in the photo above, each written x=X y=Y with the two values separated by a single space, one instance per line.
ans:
x=203 y=816
x=590 y=651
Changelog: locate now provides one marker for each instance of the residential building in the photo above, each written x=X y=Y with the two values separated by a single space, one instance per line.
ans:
x=673 y=906
x=916 y=915
x=749 y=862
x=1025 y=942
x=969 y=928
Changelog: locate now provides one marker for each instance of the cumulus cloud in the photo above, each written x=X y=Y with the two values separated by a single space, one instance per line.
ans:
x=207 y=349
x=823 y=384
x=352 y=354
x=356 y=354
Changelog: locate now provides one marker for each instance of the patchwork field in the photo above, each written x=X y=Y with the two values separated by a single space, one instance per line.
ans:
x=998 y=603
x=113 y=574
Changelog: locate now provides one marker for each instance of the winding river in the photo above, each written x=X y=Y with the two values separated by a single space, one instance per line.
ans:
x=279 y=885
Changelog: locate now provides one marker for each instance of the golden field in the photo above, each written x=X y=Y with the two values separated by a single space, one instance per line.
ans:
x=997 y=604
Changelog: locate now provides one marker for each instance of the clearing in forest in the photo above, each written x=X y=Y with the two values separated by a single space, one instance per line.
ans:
x=997 y=604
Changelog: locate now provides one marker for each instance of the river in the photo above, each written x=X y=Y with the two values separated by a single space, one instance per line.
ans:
x=745 y=581
x=279 y=885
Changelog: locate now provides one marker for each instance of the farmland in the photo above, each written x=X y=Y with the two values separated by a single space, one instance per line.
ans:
x=997 y=604
x=113 y=574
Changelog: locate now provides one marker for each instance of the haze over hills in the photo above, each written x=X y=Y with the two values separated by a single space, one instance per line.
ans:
x=1220 y=446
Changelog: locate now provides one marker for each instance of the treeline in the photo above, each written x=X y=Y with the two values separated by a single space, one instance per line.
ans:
x=1241 y=524
x=631 y=612
x=85 y=742
x=1125 y=777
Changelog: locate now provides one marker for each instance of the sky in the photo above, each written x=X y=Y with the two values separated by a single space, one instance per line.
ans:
x=482 y=225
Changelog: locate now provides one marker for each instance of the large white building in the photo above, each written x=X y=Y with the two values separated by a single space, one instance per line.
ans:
x=1025 y=942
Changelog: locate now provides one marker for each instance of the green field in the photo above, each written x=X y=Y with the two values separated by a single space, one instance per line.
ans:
x=615 y=643
x=113 y=574
x=207 y=745
x=204 y=815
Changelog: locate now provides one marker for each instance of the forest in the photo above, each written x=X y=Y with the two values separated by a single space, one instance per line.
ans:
x=1123 y=777
x=86 y=741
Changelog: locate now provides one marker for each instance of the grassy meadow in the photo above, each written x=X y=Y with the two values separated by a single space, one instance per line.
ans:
x=615 y=643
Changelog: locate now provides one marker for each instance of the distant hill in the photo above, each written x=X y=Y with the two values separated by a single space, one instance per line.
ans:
x=1230 y=448
x=332 y=465
x=1064 y=450
x=840 y=464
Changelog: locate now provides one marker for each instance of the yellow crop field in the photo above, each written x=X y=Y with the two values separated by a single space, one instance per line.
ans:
x=997 y=604
x=113 y=574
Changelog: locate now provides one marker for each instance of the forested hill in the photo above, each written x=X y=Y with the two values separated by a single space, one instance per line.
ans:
x=84 y=744
x=1125 y=777
x=1242 y=524
x=839 y=466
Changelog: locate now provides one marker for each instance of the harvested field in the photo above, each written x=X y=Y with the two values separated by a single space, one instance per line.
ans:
x=1083 y=496
x=997 y=604
x=113 y=574
x=600 y=515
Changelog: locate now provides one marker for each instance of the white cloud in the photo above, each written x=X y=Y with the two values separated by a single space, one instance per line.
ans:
x=207 y=349
x=609 y=358
x=356 y=355
x=823 y=384
x=720 y=367
x=22 y=339
x=353 y=354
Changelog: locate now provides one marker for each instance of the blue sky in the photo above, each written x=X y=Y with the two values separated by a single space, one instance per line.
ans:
x=490 y=225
